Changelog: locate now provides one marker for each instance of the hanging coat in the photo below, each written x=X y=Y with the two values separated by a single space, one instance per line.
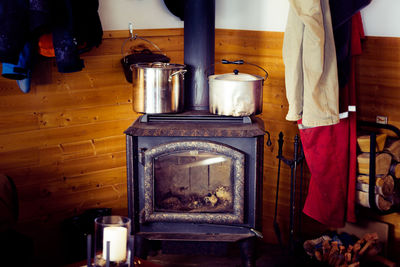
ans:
x=75 y=25
x=310 y=64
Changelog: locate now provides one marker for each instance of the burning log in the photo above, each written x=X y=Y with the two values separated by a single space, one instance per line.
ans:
x=211 y=200
x=382 y=163
x=219 y=200
x=224 y=195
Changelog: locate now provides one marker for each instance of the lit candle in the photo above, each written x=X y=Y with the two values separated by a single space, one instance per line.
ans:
x=118 y=239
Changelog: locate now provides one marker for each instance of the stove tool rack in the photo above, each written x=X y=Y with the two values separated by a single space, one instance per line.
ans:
x=371 y=192
x=297 y=160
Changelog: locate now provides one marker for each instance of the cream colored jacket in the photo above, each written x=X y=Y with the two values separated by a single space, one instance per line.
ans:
x=309 y=55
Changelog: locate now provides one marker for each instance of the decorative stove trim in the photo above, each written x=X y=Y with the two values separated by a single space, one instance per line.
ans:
x=238 y=165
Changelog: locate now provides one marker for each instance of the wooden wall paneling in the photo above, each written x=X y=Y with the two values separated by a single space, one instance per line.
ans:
x=94 y=163
x=71 y=117
x=97 y=179
x=19 y=158
x=377 y=79
x=77 y=149
x=18 y=122
x=109 y=144
x=54 y=136
x=34 y=174
x=52 y=101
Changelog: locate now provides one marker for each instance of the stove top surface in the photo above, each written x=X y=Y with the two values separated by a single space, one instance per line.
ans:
x=194 y=116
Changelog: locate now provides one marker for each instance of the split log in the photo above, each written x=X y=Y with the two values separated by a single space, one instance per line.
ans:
x=383 y=185
x=395 y=170
x=365 y=140
x=382 y=163
x=356 y=250
x=394 y=150
x=333 y=253
x=318 y=255
x=381 y=203
x=326 y=247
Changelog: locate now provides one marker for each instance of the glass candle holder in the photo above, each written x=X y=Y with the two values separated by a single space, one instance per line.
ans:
x=112 y=241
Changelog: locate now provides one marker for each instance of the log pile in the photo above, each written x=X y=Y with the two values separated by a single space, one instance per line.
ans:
x=334 y=252
x=387 y=172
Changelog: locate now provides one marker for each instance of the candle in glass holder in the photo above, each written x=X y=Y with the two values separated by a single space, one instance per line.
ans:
x=118 y=239
x=114 y=231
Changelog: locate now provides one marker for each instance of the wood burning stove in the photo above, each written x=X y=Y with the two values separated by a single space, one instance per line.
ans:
x=194 y=176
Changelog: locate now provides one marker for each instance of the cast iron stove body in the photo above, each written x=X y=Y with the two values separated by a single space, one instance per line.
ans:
x=196 y=177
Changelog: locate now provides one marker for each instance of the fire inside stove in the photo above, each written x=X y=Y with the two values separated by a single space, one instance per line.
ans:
x=193 y=181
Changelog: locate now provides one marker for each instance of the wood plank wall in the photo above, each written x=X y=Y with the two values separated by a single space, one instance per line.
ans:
x=63 y=142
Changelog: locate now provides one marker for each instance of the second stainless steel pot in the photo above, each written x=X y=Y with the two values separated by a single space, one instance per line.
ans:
x=236 y=94
x=158 y=87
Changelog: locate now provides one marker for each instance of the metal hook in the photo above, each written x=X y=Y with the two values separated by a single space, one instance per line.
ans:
x=130 y=26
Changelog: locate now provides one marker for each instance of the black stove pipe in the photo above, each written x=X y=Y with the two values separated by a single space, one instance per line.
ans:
x=199 y=50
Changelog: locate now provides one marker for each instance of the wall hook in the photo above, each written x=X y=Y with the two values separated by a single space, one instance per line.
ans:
x=130 y=26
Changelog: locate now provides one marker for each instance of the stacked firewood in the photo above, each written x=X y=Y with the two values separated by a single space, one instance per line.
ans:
x=335 y=253
x=387 y=172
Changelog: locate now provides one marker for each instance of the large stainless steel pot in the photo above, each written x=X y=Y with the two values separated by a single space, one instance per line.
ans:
x=158 y=87
x=236 y=94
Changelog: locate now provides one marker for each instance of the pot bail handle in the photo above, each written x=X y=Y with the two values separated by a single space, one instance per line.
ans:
x=133 y=37
x=181 y=72
x=241 y=61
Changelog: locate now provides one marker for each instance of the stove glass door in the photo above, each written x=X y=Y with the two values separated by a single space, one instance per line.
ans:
x=193 y=181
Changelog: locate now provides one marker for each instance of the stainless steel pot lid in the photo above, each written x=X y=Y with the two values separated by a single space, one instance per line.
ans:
x=240 y=77
x=160 y=65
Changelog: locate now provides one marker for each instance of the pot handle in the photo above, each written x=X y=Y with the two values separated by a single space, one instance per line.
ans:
x=241 y=61
x=134 y=37
x=181 y=72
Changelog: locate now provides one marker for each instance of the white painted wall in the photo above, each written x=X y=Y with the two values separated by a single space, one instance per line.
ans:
x=381 y=17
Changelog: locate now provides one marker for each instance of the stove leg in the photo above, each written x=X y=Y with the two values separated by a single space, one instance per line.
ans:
x=248 y=252
x=141 y=247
